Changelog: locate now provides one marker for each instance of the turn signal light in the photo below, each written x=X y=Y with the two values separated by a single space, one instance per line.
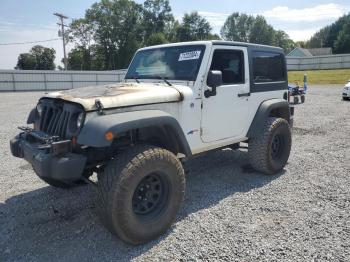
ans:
x=109 y=136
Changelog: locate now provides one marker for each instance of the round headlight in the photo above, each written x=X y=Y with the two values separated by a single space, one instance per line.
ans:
x=80 y=120
x=39 y=109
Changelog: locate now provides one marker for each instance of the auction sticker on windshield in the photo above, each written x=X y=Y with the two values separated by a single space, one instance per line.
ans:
x=189 y=56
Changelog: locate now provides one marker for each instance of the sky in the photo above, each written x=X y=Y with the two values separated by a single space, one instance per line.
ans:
x=33 y=20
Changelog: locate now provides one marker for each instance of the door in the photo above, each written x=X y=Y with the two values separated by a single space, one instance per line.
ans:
x=223 y=114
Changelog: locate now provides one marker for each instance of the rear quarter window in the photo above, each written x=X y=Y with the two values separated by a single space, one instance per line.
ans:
x=268 y=67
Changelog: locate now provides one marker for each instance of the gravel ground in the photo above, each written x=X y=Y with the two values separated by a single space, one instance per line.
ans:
x=230 y=213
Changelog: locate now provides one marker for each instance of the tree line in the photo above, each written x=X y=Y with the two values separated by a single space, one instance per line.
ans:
x=336 y=36
x=112 y=30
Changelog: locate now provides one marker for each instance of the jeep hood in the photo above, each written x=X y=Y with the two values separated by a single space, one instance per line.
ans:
x=119 y=95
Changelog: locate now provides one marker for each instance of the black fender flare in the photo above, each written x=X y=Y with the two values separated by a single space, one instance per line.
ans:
x=272 y=107
x=94 y=130
x=33 y=116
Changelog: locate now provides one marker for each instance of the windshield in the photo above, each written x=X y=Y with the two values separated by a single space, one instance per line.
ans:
x=173 y=63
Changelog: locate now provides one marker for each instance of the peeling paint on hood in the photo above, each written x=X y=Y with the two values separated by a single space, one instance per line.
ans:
x=119 y=95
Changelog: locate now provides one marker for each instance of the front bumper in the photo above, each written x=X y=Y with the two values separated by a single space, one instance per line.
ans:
x=49 y=159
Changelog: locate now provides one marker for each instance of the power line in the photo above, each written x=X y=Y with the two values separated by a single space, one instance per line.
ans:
x=32 y=42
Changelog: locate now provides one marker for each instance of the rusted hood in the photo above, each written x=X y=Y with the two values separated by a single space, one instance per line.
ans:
x=119 y=95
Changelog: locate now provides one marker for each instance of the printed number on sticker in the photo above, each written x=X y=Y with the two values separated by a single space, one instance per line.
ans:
x=190 y=55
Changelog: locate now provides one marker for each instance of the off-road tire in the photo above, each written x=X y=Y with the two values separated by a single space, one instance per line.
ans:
x=120 y=181
x=302 y=99
x=262 y=148
x=296 y=100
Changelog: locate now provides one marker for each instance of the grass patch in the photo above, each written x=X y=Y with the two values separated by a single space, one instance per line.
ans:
x=338 y=76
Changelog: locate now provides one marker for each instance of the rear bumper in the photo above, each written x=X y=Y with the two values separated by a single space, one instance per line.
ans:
x=47 y=161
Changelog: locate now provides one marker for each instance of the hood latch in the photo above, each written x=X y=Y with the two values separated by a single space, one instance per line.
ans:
x=99 y=107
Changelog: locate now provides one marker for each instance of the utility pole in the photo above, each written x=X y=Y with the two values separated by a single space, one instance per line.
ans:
x=61 y=17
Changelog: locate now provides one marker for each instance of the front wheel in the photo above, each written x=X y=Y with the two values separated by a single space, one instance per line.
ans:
x=269 y=151
x=140 y=193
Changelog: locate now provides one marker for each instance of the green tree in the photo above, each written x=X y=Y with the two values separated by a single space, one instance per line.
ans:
x=335 y=29
x=334 y=36
x=301 y=44
x=342 y=44
x=156 y=39
x=26 y=61
x=281 y=39
x=193 y=27
x=319 y=39
x=170 y=31
x=156 y=15
x=81 y=32
x=237 y=27
x=247 y=28
x=261 y=32
x=38 y=58
x=116 y=26
x=44 y=57
x=77 y=58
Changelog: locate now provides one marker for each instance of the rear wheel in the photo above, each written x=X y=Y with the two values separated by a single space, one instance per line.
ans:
x=140 y=193
x=269 y=151
x=302 y=99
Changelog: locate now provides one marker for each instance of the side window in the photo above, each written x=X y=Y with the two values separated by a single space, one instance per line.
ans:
x=268 y=67
x=231 y=64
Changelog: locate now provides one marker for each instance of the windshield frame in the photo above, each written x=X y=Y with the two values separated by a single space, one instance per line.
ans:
x=131 y=75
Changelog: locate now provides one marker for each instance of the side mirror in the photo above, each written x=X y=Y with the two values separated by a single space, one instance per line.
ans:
x=213 y=81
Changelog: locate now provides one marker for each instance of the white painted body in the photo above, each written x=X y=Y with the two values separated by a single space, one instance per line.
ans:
x=207 y=123
x=346 y=90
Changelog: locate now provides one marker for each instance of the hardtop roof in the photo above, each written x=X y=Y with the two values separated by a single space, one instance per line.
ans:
x=220 y=42
x=234 y=43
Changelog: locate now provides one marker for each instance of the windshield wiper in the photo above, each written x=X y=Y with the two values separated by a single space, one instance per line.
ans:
x=166 y=81
x=136 y=79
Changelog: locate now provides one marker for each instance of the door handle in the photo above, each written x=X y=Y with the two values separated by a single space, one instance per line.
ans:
x=244 y=94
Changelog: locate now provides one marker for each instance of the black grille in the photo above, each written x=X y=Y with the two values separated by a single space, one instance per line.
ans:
x=54 y=121
x=56 y=118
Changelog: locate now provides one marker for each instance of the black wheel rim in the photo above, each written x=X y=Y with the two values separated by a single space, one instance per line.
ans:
x=150 y=195
x=277 y=147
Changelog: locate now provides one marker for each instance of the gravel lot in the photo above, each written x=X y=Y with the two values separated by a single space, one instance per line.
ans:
x=230 y=212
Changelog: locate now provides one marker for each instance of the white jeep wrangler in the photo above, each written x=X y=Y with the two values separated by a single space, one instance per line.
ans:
x=176 y=101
